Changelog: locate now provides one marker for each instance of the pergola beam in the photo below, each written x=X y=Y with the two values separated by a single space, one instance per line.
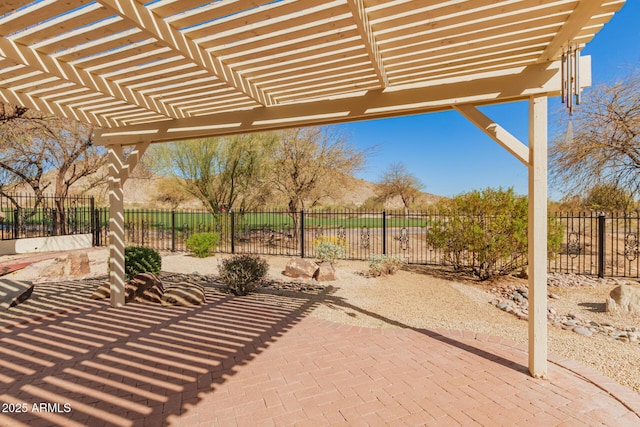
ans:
x=512 y=85
x=156 y=27
x=496 y=132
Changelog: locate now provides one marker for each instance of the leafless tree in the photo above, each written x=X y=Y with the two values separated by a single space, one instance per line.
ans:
x=602 y=144
x=39 y=151
x=310 y=164
x=397 y=181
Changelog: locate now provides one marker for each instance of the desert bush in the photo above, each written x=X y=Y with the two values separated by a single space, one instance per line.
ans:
x=487 y=230
x=381 y=265
x=138 y=259
x=242 y=274
x=329 y=248
x=203 y=244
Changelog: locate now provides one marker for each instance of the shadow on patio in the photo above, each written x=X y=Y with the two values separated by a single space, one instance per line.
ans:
x=116 y=366
x=261 y=360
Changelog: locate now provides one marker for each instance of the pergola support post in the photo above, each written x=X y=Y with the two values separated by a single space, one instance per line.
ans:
x=116 y=226
x=534 y=157
x=119 y=171
x=538 y=236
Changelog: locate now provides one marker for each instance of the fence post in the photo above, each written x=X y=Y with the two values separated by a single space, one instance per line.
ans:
x=92 y=219
x=302 y=233
x=233 y=232
x=384 y=232
x=97 y=220
x=54 y=219
x=601 y=245
x=16 y=223
x=173 y=230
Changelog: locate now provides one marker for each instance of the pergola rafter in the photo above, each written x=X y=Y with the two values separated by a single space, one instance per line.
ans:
x=63 y=71
x=584 y=12
x=366 y=32
x=160 y=29
x=168 y=70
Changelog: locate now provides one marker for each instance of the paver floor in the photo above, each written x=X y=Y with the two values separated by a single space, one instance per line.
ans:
x=262 y=360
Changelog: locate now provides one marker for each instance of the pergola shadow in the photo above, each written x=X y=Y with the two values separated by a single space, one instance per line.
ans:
x=91 y=364
x=71 y=361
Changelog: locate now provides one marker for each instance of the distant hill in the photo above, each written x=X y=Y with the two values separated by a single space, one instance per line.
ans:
x=141 y=191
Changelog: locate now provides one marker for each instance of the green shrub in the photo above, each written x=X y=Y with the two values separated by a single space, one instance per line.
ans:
x=487 y=230
x=138 y=259
x=329 y=248
x=243 y=273
x=203 y=244
x=381 y=265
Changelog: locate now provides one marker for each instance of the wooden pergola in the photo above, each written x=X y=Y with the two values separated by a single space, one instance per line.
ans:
x=167 y=70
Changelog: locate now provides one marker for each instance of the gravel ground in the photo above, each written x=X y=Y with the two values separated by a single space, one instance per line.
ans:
x=433 y=298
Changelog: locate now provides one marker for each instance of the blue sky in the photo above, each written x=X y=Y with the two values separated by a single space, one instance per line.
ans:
x=451 y=156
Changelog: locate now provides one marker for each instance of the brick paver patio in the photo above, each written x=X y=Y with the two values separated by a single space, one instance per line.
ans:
x=262 y=360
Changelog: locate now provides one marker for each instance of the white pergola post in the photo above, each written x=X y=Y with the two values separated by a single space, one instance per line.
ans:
x=538 y=236
x=119 y=171
x=116 y=225
x=534 y=157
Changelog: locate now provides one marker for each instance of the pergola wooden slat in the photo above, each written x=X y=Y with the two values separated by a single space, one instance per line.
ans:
x=147 y=72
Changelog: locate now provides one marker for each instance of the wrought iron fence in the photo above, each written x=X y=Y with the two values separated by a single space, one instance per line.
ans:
x=593 y=243
x=23 y=215
x=603 y=244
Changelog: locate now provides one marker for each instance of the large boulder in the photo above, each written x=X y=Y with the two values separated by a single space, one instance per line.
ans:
x=624 y=298
x=73 y=266
x=183 y=294
x=300 y=268
x=325 y=273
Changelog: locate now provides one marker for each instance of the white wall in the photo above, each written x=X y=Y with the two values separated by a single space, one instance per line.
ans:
x=45 y=244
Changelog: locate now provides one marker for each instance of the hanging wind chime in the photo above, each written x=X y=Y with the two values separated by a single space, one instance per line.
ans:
x=570 y=71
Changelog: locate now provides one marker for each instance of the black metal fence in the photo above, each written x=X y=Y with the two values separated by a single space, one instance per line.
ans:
x=602 y=244
x=594 y=244
x=23 y=215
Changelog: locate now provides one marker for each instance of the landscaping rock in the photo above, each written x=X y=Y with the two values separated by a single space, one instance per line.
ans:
x=325 y=273
x=511 y=300
x=79 y=264
x=300 y=268
x=582 y=331
x=103 y=291
x=14 y=292
x=72 y=266
x=144 y=287
x=624 y=298
x=183 y=294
